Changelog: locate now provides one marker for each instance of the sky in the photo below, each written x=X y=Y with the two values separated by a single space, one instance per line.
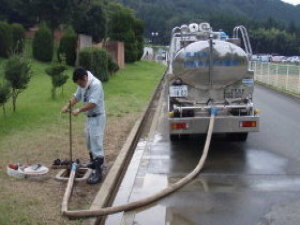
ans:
x=294 y=2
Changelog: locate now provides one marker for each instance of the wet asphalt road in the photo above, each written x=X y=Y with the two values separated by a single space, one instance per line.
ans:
x=251 y=183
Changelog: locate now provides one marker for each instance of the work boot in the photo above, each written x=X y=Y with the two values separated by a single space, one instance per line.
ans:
x=97 y=174
x=91 y=164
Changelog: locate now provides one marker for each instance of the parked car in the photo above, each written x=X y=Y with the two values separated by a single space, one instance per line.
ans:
x=261 y=58
x=277 y=58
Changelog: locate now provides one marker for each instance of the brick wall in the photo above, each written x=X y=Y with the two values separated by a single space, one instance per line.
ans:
x=115 y=49
x=29 y=34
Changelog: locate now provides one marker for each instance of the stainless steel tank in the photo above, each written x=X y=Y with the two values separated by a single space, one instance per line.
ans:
x=210 y=66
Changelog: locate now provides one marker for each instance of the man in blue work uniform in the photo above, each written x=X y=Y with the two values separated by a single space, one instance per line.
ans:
x=90 y=92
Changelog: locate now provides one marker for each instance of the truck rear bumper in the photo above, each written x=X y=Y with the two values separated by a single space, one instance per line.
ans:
x=228 y=124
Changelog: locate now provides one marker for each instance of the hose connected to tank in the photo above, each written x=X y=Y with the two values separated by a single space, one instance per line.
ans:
x=143 y=202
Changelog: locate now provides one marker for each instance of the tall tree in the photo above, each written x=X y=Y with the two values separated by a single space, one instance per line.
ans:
x=16 y=11
x=138 y=28
x=162 y=15
x=274 y=41
x=90 y=20
x=5 y=94
x=125 y=27
x=54 y=12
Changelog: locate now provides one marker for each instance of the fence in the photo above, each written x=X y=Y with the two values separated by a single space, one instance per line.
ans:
x=286 y=77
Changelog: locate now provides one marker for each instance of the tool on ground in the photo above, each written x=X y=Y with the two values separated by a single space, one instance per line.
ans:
x=63 y=164
x=70 y=129
x=19 y=170
x=67 y=163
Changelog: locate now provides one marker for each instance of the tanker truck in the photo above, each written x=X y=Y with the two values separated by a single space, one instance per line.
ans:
x=209 y=70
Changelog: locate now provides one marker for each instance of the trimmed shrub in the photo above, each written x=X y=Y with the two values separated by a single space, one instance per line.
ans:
x=5 y=39
x=125 y=27
x=112 y=66
x=131 y=50
x=139 y=36
x=96 y=61
x=140 y=47
x=42 y=46
x=57 y=77
x=17 y=73
x=67 y=48
x=18 y=37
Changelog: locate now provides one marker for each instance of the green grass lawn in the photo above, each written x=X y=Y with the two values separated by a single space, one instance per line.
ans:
x=34 y=105
x=130 y=89
x=126 y=92
x=32 y=133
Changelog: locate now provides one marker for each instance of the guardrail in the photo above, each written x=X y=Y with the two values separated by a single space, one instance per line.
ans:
x=282 y=76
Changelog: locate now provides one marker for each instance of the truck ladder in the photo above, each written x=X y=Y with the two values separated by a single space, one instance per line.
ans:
x=245 y=37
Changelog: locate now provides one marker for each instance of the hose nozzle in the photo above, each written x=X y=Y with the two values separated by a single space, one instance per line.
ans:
x=213 y=111
x=74 y=166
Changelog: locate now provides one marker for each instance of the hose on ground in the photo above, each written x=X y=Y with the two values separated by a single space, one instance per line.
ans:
x=143 y=202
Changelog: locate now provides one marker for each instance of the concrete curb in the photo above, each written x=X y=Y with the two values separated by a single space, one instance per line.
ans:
x=128 y=217
x=107 y=189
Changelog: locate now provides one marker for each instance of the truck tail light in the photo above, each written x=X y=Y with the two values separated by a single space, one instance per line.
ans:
x=248 y=124
x=179 y=126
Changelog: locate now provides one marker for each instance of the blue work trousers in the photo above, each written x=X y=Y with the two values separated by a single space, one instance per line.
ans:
x=94 y=132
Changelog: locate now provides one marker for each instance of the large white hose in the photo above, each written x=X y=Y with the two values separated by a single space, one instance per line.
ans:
x=142 y=202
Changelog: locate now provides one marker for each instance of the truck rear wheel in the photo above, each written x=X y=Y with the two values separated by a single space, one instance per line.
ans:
x=242 y=137
x=174 y=137
x=177 y=137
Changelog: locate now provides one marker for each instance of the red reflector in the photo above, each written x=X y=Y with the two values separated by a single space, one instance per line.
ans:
x=248 y=124
x=179 y=126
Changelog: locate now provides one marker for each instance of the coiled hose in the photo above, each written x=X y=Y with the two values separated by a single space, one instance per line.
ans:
x=143 y=202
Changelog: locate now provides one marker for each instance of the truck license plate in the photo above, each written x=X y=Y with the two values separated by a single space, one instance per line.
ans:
x=178 y=91
x=234 y=93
